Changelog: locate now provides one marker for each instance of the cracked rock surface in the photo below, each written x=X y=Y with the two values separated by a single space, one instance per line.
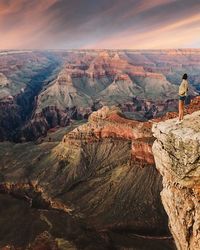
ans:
x=177 y=156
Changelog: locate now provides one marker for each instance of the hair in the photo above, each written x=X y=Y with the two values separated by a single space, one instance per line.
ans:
x=185 y=76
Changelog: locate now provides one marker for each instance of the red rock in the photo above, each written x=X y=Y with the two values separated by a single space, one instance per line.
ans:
x=110 y=123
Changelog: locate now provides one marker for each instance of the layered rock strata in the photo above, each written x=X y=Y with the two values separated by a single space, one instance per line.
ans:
x=110 y=123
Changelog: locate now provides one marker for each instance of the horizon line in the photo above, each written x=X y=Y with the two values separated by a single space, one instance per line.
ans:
x=92 y=49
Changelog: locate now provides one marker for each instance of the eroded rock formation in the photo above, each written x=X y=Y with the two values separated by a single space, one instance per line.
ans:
x=55 y=87
x=101 y=175
x=99 y=180
x=177 y=156
x=111 y=123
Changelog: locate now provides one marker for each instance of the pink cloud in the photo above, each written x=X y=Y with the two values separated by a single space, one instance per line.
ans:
x=124 y=24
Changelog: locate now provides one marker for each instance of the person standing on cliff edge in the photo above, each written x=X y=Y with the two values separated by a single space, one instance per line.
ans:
x=183 y=89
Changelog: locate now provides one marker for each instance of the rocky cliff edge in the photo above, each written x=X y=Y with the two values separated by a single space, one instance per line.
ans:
x=177 y=156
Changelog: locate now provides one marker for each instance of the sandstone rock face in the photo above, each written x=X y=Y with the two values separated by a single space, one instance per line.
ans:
x=177 y=157
x=110 y=123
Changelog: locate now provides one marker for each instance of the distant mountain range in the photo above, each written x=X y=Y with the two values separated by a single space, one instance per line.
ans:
x=42 y=89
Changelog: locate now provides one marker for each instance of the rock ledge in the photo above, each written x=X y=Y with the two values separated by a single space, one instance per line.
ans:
x=177 y=156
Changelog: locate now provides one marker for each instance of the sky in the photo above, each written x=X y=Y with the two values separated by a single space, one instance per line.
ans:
x=99 y=24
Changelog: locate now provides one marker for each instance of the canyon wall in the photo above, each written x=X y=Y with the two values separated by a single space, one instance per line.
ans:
x=55 y=88
x=177 y=157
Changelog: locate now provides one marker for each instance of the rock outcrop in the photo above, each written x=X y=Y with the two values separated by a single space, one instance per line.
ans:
x=177 y=157
x=111 y=123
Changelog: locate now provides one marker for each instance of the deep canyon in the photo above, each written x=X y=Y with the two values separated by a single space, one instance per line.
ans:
x=77 y=169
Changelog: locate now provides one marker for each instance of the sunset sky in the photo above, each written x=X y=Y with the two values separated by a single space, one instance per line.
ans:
x=112 y=24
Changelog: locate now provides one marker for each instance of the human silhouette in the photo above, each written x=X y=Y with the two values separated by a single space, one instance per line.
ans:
x=183 y=89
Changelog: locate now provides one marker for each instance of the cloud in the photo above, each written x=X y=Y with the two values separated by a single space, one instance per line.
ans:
x=173 y=25
x=22 y=22
x=98 y=24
